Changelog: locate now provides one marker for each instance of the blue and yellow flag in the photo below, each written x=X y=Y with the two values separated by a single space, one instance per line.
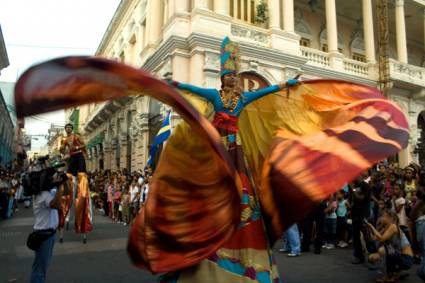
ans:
x=161 y=136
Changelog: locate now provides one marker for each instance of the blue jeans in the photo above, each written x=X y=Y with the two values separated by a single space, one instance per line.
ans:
x=420 y=236
x=42 y=260
x=293 y=239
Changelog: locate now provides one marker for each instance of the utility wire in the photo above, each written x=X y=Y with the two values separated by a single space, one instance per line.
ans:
x=49 y=46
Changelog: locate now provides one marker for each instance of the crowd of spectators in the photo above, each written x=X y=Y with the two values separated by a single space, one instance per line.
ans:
x=381 y=215
x=119 y=195
x=11 y=192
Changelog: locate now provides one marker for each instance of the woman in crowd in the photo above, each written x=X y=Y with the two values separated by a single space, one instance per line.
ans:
x=395 y=247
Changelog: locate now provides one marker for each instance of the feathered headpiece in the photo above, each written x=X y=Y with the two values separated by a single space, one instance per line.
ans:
x=229 y=58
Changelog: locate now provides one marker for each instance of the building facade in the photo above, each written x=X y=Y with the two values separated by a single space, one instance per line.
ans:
x=6 y=125
x=279 y=39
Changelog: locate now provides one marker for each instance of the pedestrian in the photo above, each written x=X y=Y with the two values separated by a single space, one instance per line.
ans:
x=330 y=223
x=45 y=206
x=292 y=243
x=125 y=203
x=360 y=210
x=317 y=219
x=341 y=220
x=134 y=200
x=399 y=207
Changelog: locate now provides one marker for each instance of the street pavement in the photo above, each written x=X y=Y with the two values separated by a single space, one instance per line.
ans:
x=104 y=258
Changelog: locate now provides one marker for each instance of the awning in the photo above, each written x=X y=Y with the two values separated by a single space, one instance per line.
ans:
x=96 y=140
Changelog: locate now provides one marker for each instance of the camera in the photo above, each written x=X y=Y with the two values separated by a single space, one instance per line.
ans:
x=40 y=178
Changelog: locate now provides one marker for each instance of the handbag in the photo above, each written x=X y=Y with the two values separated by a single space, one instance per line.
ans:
x=37 y=237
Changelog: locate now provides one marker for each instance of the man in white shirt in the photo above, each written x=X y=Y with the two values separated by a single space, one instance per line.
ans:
x=45 y=205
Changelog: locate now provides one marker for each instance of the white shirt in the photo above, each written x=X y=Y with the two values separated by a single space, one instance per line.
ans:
x=144 y=194
x=45 y=216
x=402 y=218
x=133 y=191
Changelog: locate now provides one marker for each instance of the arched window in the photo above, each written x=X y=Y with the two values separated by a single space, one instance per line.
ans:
x=303 y=29
x=357 y=48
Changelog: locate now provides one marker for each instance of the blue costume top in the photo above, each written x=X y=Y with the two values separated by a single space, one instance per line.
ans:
x=213 y=95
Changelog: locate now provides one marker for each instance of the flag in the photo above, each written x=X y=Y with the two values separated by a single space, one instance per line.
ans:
x=162 y=135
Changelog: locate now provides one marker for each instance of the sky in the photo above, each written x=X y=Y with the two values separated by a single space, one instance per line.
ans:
x=39 y=30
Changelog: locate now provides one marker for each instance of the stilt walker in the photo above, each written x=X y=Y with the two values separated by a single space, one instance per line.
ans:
x=74 y=151
x=66 y=204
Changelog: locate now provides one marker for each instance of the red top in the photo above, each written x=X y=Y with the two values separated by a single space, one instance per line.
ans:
x=226 y=122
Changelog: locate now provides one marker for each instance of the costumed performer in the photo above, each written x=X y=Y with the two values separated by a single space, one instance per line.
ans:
x=74 y=150
x=199 y=202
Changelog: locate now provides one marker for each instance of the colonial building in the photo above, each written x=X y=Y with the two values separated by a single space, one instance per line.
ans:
x=279 y=39
x=6 y=125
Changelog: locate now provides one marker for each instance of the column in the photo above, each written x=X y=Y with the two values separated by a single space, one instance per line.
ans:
x=182 y=6
x=400 y=31
x=274 y=14
x=171 y=8
x=221 y=7
x=424 y=28
x=154 y=21
x=200 y=4
x=332 y=33
x=197 y=62
x=288 y=15
x=368 y=31
x=235 y=9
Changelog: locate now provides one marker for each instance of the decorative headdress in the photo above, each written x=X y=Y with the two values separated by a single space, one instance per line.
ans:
x=229 y=57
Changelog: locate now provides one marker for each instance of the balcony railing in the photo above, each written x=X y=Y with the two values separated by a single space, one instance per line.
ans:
x=356 y=67
x=315 y=57
x=406 y=72
x=244 y=10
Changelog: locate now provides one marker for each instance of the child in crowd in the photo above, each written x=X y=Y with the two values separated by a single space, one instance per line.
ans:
x=341 y=213
x=125 y=203
x=117 y=205
x=399 y=206
x=330 y=223
x=134 y=199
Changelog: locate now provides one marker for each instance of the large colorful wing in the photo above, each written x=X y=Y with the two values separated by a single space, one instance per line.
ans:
x=190 y=210
x=305 y=145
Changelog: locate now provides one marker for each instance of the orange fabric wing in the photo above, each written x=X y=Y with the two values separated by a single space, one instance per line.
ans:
x=190 y=210
x=356 y=132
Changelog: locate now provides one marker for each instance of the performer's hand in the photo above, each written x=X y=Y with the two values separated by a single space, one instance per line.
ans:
x=292 y=82
x=171 y=82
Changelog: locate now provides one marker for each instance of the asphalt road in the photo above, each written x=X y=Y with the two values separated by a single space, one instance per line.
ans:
x=104 y=259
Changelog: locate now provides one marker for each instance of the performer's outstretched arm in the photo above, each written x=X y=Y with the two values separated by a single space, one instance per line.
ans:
x=254 y=95
x=207 y=93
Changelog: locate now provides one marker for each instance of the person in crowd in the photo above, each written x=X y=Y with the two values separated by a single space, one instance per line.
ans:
x=360 y=210
x=341 y=220
x=377 y=185
x=117 y=204
x=292 y=242
x=395 y=249
x=410 y=183
x=330 y=223
x=110 y=194
x=399 y=206
x=417 y=220
x=316 y=217
x=125 y=204
x=134 y=199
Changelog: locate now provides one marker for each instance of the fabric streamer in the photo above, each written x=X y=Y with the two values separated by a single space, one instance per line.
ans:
x=301 y=147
